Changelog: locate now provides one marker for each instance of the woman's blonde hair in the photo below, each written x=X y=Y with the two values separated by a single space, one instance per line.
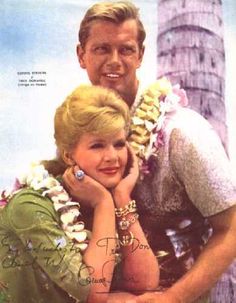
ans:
x=88 y=109
x=116 y=12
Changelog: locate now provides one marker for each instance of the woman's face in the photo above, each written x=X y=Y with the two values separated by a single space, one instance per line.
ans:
x=103 y=158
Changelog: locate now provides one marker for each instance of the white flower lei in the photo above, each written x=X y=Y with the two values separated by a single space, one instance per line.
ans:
x=147 y=122
x=39 y=179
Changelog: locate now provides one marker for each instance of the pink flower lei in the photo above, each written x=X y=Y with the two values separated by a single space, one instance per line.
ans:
x=147 y=122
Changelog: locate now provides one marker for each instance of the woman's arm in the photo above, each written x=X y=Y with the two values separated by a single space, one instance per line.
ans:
x=140 y=270
x=139 y=265
x=99 y=256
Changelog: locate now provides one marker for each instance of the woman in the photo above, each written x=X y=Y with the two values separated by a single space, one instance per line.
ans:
x=48 y=253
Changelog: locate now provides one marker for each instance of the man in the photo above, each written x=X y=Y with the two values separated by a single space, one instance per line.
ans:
x=188 y=194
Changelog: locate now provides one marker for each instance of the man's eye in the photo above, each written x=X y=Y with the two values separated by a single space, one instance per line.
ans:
x=101 y=50
x=127 y=50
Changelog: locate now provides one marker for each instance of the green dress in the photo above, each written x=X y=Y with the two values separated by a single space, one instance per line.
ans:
x=38 y=262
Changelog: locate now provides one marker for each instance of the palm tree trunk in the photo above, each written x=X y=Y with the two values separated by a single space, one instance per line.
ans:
x=191 y=52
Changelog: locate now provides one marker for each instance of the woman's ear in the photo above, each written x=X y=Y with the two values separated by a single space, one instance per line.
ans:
x=67 y=157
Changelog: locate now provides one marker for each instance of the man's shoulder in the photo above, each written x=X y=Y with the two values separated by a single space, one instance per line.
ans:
x=187 y=119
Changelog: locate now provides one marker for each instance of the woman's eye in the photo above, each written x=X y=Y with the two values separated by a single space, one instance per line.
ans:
x=120 y=144
x=96 y=145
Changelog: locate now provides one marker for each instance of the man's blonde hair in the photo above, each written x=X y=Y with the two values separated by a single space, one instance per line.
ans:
x=116 y=12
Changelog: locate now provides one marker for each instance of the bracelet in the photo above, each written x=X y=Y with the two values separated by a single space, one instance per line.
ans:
x=127 y=240
x=129 y=208
x=125 y=223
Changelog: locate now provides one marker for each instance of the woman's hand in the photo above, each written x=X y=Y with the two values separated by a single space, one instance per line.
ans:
x=122 y=191
x=157 y=297
x=87 y=191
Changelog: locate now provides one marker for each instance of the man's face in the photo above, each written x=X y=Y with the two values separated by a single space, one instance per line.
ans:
x=112 y=55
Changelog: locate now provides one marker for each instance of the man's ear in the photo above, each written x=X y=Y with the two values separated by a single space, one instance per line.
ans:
x=67 y=157
x=80 y=54
x=141 y=53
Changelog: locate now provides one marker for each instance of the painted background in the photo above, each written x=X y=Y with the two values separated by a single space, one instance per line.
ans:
x=41 y=36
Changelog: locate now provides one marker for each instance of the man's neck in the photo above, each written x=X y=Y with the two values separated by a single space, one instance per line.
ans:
x=131 y=95
x=129 y=99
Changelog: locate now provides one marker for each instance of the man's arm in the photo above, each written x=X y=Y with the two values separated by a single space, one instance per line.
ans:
x=214 y=259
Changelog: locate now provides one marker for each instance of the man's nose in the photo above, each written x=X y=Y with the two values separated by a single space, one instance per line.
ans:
x=114 y=57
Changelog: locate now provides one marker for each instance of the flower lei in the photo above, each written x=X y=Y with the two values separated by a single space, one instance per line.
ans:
x=146 y=133
x=39 y=179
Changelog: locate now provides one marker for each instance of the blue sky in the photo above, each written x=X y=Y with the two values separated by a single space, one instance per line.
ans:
x=41 y=35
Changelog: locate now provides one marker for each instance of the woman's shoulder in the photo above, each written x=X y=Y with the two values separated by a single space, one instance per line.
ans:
x=26 y=196
x=29 y=206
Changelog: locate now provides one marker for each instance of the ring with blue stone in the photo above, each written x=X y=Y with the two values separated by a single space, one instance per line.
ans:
x=79 y=174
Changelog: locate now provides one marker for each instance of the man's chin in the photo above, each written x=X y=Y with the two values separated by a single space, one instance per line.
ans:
x=112 y=85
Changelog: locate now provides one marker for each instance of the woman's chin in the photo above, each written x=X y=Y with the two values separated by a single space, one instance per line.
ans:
x=109 y=184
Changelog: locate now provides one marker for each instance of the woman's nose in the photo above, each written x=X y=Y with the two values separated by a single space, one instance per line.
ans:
x=110 y=154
